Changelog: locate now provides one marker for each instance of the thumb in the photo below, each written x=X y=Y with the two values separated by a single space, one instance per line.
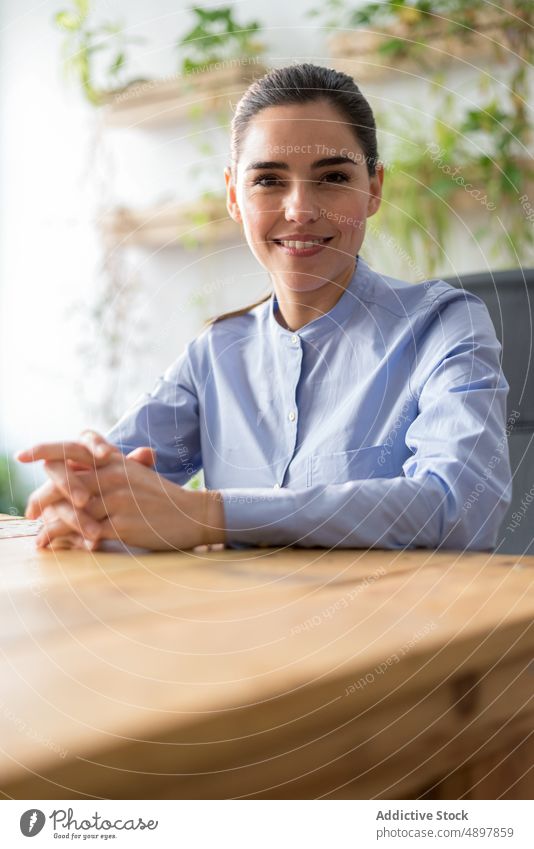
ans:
x=144 y=455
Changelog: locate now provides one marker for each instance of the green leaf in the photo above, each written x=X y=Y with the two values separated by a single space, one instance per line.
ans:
x=83 y=7
x=511 y=175
x=394 y=47
x=68 y=21
x=195 y=111
x=117 y=64
x=443 y=186
x=206 y=149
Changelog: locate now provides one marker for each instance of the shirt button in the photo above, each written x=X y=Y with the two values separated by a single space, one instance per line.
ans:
x=276 y=486
x=291 y=416
x=294 y=339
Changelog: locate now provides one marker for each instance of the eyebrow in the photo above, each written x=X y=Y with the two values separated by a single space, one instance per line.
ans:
x=320 y=163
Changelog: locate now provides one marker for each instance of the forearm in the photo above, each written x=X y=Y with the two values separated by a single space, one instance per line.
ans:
x=384 y=513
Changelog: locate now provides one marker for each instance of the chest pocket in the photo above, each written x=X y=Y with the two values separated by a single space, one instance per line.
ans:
x=375 y=461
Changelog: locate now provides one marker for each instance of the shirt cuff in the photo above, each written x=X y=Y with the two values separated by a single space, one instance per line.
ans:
x=260 y=516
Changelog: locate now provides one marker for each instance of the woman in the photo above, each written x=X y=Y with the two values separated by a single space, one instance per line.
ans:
x=346 y=409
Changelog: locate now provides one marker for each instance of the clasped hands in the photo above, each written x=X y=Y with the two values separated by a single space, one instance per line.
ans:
x=95 y=492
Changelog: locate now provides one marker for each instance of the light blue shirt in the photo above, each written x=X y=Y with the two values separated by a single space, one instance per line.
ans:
x=381 y=423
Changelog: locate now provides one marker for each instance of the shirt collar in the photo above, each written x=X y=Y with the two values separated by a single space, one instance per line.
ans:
x=338 y=315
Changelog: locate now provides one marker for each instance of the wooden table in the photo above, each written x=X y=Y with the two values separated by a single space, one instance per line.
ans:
x=296 y=673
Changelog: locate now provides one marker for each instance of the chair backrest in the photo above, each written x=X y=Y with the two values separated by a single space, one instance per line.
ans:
x=509 y=297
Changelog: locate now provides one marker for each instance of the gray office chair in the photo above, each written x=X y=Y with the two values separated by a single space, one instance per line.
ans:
x=509 y=297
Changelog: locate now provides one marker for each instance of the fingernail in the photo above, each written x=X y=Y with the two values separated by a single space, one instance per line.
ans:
x=92 y=530
x=101 y=450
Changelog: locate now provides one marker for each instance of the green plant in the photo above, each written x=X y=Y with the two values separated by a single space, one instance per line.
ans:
x=81 y=44
x=13 y=492
x=196 y=482
x=428 y=18
x=434 y=170
x=486 y=146
x=216 y=37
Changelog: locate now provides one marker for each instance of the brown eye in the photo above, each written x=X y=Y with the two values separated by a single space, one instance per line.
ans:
x=266 y=181
x=337 y=174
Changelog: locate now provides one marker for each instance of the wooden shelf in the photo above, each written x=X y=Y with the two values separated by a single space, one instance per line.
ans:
x=357 y=52
x=159 y=103
x=204 y=222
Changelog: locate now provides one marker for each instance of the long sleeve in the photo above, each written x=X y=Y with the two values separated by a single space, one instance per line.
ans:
x=166 y=419
x=455 y=485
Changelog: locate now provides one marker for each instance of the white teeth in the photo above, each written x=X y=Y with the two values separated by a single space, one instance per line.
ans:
x=300 y=245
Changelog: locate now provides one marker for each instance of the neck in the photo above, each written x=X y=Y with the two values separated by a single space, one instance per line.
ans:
x=295 y=309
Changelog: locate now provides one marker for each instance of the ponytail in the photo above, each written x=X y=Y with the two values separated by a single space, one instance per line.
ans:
x=235 y=313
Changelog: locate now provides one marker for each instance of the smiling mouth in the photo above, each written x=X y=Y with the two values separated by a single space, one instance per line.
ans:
x=301 y=245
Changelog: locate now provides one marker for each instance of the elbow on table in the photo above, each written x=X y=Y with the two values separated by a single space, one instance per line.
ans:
x=474 y=523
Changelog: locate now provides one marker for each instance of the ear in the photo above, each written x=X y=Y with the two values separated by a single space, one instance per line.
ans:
x=231 y=198
x=375 y=190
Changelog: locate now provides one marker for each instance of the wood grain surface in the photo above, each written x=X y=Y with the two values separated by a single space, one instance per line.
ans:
x=264 y=673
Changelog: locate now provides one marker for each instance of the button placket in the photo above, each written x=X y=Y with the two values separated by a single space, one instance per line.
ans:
x=291 y=369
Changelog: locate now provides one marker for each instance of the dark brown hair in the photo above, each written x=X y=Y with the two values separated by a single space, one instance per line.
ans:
x=297 y=84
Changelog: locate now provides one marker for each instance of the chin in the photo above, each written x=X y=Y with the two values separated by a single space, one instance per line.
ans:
x=300 y=284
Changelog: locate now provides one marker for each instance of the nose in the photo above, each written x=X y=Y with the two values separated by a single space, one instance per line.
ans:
x=301 y=203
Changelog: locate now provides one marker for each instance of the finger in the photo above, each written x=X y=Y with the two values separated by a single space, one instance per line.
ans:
x=71 y=484
x=63 y=451
x=76 y=520
x=57 y=534
x=55 y=539
x=117 y=476
x=144 y=455
x=47 y=493
x=70 y=541
x=99 y=507
x=73 y=541
x=97 y=443
x=119 y=472
x=77 y=467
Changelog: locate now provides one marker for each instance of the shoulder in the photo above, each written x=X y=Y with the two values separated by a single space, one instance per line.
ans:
x=233 y=330
x=423 y=301
x=236 y=324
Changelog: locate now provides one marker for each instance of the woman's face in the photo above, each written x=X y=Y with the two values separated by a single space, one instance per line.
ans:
x=301 y=177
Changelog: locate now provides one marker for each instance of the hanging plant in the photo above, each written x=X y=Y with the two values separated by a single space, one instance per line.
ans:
x=86 y=44
x=215 y=38
x=484 y=155
x=212 y=55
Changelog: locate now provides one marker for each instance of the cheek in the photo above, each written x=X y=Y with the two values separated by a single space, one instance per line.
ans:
x=353 y=228
x=347 y=213
x=261 y=212
x=259 y=217
x=358 y=227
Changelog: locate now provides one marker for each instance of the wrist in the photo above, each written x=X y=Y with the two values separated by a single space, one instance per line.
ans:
x=213 y=531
